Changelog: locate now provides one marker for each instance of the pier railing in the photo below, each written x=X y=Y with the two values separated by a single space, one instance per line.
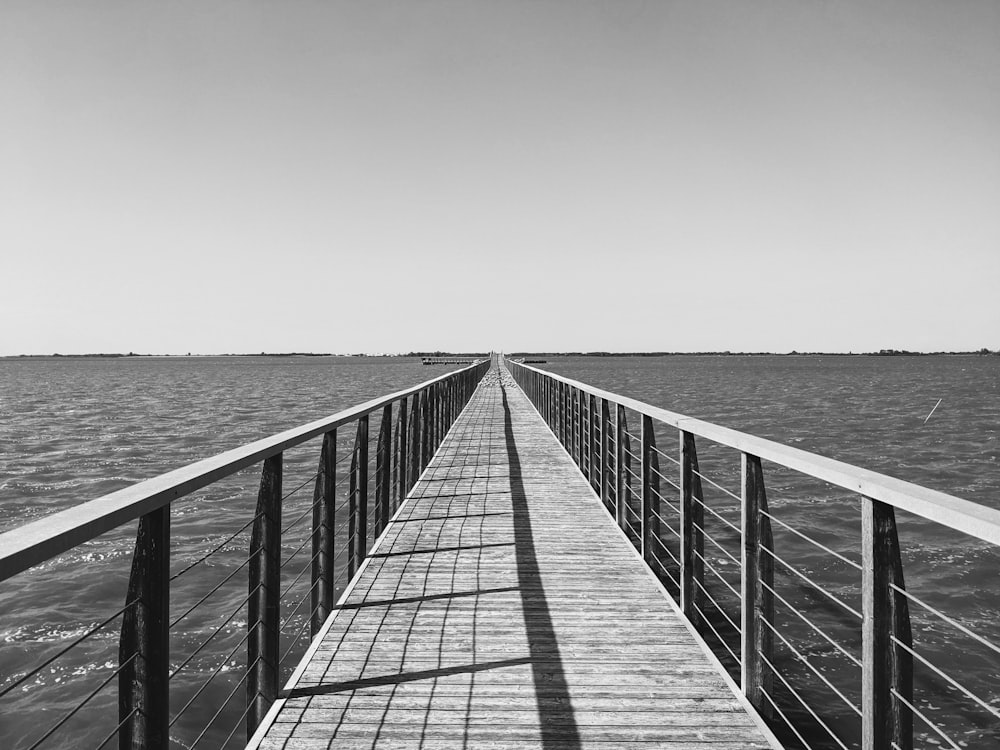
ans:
x=369 y=458
x=818 y=639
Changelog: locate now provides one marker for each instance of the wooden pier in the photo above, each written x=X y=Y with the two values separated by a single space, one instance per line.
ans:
x=527 y=562
x=502 y=607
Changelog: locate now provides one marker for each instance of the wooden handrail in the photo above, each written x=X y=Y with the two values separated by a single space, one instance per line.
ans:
x=35 y=542
x=954 y=512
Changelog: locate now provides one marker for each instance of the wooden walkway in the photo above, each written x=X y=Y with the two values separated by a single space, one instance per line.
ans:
x=503 y=608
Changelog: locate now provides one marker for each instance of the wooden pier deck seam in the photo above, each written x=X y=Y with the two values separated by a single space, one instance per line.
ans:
x=502 y=608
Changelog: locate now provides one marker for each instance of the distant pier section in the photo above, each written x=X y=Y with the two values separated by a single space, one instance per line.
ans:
x=448 y=360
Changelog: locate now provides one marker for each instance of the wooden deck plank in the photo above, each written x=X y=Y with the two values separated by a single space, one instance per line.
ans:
x=503 y=609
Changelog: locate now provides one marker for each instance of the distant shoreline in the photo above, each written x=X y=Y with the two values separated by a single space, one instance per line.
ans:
x=880 y=353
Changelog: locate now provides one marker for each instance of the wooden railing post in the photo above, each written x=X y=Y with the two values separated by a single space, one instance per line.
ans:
x=383 y=468
x=425 y=429
x=561 y=432
x=357 y=501
x=605 y=452
x=324 y=506
x=362 y=448
x=886 y=667
x=413 y=462
x=402 y=453
x=264 y=603
x=144 y=646
x=692 y=534
x=650 y=494
x=620 y=476
x=580 y=429
x=757 y=570
x=567 y=420
x=594 y=450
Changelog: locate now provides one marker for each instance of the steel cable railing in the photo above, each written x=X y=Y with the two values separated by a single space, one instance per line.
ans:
x=838 y=626
x=392 y=454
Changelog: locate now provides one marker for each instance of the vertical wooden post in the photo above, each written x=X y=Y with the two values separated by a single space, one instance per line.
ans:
x=425 y=429
x=323 y=524
x=620 y=477
x=886 y=667
x=692 y=525
x=650 y=523
x=264 y=603
x=413 y=462
x=567 y=420
x=557 y=410
x=561 y=432
x=595 y=451
x=144 y=645
x=629 y=495
x=758 y=602
x=383 y=469
x=362 y=448
x=402 y=466
x=605 y=452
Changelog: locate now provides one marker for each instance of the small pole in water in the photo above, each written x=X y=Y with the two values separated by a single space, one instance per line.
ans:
x=932 y=410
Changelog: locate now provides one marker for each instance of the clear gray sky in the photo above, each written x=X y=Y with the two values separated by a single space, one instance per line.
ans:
x=521 y=174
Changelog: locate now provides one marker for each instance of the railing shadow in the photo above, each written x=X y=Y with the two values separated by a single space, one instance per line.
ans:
x=557 y=722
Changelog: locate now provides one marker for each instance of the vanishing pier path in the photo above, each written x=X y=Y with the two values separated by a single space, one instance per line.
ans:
x=502 y=607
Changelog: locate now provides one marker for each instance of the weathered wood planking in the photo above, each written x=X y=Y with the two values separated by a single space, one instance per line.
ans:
x=502 y=608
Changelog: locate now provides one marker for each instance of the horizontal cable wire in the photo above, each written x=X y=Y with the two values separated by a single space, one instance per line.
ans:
x=310 y=479
x=812 y=583
x=666 y=502
x=218 y=586
x=665 y=478
x=784 y=718
x=923 y=718
x=801 y=700
x=225 y=703
x=975 y=636
x=73 y=645
x=84 y=702
x=664 y=521
x=728 y=523
x=302 y=600
x=952 y=682
x=813 y=669
x=214 y=633
x=722 y=549
x=717 y=574
x=298 y=549
x=810 y=540
x=214 y=674
x=298 y=520
x=630 y=527
x=238 y=724
x=719 y=637
x=307 y=566
x=665 y=571
x=841 y=649
x=216 y=549
x=718 y=486
x=117 y=729
x=298 y=635
x=669 y=458
x=665 y=549
x=719 y=607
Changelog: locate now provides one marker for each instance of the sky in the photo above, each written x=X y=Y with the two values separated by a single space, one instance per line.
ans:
x=534 y=175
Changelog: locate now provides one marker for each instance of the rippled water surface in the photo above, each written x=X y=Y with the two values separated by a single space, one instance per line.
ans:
x=74 y=429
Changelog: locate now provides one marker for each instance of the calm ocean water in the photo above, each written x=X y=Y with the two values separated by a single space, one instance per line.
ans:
x=75 y=429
